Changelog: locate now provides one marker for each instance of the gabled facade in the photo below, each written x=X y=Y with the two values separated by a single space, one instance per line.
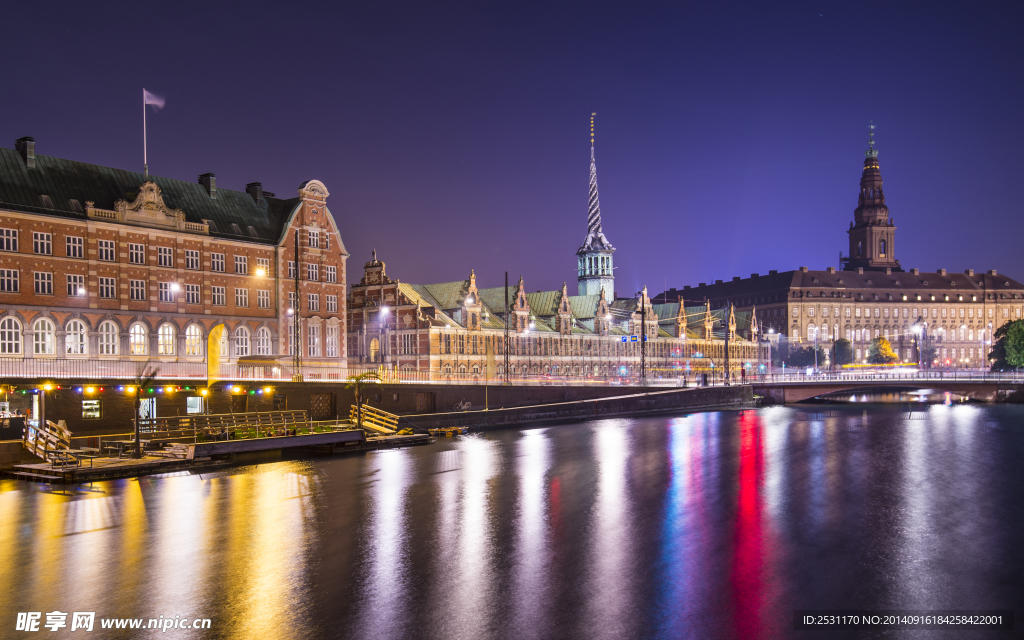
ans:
x=454 y=330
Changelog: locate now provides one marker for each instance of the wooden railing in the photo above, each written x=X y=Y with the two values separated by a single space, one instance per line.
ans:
x=47 y=440
x=375 y=419
x=221 y=425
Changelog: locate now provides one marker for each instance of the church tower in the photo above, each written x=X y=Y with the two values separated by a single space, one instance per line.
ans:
x=594 y=259
x=872 y=233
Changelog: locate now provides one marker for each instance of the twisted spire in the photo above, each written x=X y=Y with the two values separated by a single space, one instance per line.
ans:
x=595 y=235
x=594 y=211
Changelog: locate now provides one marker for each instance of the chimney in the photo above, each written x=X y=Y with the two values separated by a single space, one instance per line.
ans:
x=255 y=189
x=209 y=181
x=969 y=272
x=888 y=271
x=27 y=148
x=942 y=272
x=754 y=275
x=803 y=269
x=860 y=270
x=992 y=272
x=831 y=269
x=916 y=272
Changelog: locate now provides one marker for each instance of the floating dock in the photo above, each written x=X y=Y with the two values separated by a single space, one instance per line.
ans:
x=202 y=455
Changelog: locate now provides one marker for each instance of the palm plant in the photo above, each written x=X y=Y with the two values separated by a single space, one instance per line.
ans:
x=358 y=383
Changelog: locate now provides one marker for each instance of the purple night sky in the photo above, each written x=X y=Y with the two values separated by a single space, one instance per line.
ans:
x=730 y=137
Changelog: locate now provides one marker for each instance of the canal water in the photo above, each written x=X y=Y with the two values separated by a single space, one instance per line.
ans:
x=710 y=525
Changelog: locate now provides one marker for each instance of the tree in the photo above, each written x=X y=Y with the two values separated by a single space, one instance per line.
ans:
x=880 y=352
x=358 y=383
x=1008 y=349
x=928 y=356
x=804 y=357
x=842 y=352
x=144 y=376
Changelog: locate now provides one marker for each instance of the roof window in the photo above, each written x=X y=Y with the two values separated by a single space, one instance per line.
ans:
x=211 y=223
x=252 y=231
x=76 y=205
x=236 y=228
x=47 y=202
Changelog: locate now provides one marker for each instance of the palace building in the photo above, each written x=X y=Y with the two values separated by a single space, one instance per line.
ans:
x=102 y=269
x=952 y=314
x=455 y=330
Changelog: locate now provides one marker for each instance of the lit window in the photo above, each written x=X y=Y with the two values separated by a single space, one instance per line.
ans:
x=137 y=339
x=10 y=336
x=242 y=342
x=165 y=340
x=313 y=337
x=108 y=339
x=263 y=341
x=193 y=340
x=43 y=338
x=75 y=338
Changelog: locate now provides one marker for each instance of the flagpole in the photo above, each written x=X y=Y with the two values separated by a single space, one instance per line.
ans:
x=145 y=160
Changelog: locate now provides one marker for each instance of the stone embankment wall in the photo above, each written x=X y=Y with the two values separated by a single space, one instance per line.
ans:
x=675 y=400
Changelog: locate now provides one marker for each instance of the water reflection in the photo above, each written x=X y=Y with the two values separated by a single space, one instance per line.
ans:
x=713 y=525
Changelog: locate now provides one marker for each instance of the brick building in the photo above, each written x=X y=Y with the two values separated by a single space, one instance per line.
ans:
x=102 y=269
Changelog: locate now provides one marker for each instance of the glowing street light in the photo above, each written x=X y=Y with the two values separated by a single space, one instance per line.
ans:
x=260 y=272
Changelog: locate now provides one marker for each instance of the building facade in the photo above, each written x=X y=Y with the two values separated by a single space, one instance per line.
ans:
x=102 y=269
x=939 y=319
x=455 y=330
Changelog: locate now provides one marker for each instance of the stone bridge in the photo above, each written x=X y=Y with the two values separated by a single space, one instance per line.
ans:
x=983 y=387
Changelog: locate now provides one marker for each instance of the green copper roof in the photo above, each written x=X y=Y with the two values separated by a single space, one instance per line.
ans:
x=22 y=189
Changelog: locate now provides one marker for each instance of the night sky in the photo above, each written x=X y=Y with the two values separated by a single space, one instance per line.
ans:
x=730 y=137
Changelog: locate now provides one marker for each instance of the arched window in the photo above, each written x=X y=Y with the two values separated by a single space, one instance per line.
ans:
x=374 y=350
x=10 y=336
x=43 y=340
x=165 y=340
x=74 y=338
x=811 y=331
x=881 y=248
x=241 y=342
x=860 y=249
x=263 y=341
x=193 y=340
x=108 y=339
x=138 y=338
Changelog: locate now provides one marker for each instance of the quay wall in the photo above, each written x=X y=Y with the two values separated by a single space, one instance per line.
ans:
x=324 y=401
x=650 y=402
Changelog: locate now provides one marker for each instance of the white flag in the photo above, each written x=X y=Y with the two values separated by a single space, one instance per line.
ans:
x=155 y=100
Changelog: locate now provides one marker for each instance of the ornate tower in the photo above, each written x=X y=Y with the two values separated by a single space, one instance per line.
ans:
x=872 y=233
x=594 y=259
